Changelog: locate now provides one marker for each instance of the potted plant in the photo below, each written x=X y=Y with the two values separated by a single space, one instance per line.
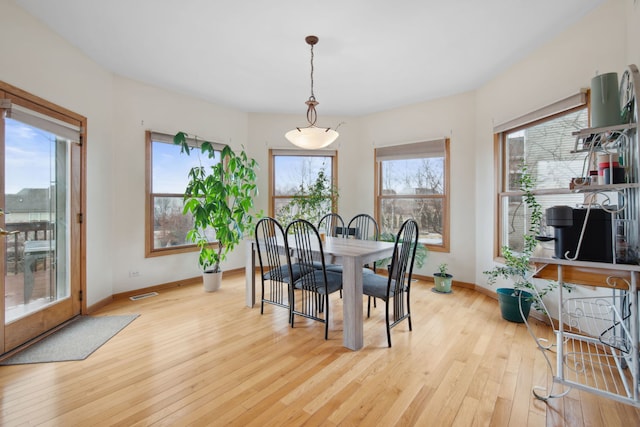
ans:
x=515 y=303
x=220 y=198
x=442 y=279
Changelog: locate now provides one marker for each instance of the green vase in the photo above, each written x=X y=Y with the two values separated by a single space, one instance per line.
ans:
x=443 y=283
x=510 y=301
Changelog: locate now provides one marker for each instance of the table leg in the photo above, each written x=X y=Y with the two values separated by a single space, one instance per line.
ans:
x=352 y=303
x=250 y=275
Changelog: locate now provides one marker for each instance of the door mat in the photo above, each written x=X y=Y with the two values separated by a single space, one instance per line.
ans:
x=75 y=341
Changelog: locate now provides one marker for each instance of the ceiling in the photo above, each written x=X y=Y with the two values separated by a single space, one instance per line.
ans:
x=373 y=55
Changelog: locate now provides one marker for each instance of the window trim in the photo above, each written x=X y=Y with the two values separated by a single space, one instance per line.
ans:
x=306 y=153
x=406 y=149
x=149 y=250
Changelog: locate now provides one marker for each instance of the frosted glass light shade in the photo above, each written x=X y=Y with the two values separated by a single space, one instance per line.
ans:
x=312 y=137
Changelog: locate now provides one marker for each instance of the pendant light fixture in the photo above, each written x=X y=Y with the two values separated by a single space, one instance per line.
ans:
x=311 y=137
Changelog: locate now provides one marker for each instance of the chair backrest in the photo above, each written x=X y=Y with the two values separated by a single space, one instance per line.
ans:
x=331 y=224
x=268 y=233
x=403 y=257
x=363 y=227
x=303 y=243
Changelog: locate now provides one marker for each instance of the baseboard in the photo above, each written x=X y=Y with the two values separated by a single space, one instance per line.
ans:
x=456 y=283
x=156 y=288
x=100 y=304
x=241 y=271
x=184 y=282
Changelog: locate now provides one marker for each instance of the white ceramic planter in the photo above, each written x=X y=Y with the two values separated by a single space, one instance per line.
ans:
x=211 y=281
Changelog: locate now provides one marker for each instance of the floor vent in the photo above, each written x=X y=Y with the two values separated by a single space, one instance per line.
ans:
x=143 y=296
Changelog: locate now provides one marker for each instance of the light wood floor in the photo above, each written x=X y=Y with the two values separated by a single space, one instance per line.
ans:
x=193 y=358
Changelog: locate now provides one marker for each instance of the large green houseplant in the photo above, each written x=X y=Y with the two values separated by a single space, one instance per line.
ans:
x=220 y=198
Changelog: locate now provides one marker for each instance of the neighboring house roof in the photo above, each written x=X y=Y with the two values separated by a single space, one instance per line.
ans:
x=28 y=200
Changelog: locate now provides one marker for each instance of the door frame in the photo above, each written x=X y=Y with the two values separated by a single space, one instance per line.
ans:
x=78 y=158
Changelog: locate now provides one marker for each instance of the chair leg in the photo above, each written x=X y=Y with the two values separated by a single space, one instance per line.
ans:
x=326 y=319
x=409 y=312
x=369 y=306
x=387 y=324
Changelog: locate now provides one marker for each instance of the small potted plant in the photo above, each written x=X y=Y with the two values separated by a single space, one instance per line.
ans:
x=220 y=198
x=442 y=279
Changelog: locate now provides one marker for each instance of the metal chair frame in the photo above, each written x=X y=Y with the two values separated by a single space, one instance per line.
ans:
x=364 y=227
x=332 y=224
x=398 y=288
x=268 y=234
x=312 y=289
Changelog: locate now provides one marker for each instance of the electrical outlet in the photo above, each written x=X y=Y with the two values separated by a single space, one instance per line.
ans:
x=134 y=273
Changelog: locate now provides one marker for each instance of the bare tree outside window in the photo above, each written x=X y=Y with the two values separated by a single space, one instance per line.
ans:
x=304 y=187
x=167 y=226
x=413 y=185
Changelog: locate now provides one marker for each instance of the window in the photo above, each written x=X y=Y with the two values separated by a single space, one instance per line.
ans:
x=167 y=178
x=412 y=181
x=308 y=176
x=542 y=141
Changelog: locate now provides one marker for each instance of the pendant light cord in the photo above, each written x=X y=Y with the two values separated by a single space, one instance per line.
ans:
x=313 y=97
x=312 y=115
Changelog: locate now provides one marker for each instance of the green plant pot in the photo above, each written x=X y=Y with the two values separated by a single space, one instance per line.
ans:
x=510 y=304
x=443 y=283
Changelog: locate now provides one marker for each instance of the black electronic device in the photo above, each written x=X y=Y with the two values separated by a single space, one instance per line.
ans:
x=597 y=242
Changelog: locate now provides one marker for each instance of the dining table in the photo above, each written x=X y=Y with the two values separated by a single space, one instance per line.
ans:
x=352 y=254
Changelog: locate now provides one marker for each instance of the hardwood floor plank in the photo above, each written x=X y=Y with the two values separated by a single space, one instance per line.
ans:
x=193 y=358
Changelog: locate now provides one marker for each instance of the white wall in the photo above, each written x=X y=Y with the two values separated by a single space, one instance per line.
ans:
x=139 y=107
x=632 y=13
x=266 y=131
x=556 y=70
x=36 y=60
x=119 y=110
x=451 y=117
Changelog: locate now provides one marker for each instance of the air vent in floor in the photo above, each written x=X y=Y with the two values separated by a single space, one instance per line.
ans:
x=143 y=296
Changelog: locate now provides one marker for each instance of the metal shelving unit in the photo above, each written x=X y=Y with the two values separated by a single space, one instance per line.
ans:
x=596 y=338
x=596 y=346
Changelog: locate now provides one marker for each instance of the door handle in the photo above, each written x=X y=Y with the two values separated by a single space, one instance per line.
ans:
x=4 y=232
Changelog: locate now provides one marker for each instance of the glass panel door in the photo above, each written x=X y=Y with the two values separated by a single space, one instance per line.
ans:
x=37 y=226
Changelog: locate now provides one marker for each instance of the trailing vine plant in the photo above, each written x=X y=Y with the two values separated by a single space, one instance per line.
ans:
x=517 y=265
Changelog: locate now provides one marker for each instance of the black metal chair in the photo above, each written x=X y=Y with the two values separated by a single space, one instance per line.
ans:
x=331 y=224
x=363 y=227
x=395 y=289
x=310 y=294
x=275 y=273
